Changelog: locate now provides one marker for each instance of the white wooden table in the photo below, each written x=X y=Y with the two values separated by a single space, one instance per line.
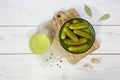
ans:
x=19 y=17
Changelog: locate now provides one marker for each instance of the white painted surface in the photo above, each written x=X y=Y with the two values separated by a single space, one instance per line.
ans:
x=27 y=67
x=34 y=12
x=18 y=21
x=16 y=39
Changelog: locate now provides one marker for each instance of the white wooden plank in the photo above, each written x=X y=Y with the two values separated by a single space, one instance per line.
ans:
x=34 y=12
x=16 y=39
x=109 y=37
x=27 y=67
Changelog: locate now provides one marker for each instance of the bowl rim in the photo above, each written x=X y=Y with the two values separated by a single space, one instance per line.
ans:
x=94 y=36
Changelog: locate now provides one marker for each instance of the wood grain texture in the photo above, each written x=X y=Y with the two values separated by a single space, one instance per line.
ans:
x=60 y=18
x=18 y=21
x=35 y=12
x=27 y=67
x=16 y=39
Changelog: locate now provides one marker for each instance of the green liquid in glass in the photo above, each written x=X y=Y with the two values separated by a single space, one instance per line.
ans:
x=39 y=43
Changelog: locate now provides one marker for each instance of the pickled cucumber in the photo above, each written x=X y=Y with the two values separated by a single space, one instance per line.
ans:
x=67 y=24
x=76 y=36
x=80 y=48
x=71 y=35
x=80 y=42
x=63 y=35
x=75 y=21
x=78 y=26
x=86 y=30
x=83 y=34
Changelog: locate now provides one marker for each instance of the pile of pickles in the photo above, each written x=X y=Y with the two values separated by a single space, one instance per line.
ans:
x=77 y=35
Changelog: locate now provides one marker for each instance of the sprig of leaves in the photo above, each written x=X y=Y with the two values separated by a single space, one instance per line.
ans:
x=89 y=13
x=104 y=17
x=88 y=10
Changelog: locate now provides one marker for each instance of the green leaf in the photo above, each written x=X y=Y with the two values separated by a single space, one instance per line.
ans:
x=88 y=10
x=104 y=17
